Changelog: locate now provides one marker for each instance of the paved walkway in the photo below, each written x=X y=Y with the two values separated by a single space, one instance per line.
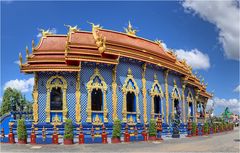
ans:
x=223 y=142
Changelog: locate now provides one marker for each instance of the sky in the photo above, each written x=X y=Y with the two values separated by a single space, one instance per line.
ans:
x=206 y=34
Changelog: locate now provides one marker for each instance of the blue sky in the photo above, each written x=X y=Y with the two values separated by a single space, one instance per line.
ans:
x=208 y=43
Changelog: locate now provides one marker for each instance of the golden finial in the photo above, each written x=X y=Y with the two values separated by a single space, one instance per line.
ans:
x=20 y=59
x=27 y=52
x=129 y=71
x=130 y=31
x=155 y=76
x=45 y=32
x=71 y=28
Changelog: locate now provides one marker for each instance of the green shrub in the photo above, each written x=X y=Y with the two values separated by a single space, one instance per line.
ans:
x=116 y=129
x=194 y=127
x=206 y=127
x=152 y=128
x=68 y=129
x=21 y=130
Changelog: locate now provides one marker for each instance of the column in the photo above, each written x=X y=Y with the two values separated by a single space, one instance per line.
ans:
x=166 y=93
x=78 y=97
x=114 y=92
x=35 y=99
x=144 y=93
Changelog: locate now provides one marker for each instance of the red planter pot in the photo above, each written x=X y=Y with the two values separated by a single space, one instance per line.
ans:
x=24 y=141
x=116 y=140
x=68 y=141
x=152 y=138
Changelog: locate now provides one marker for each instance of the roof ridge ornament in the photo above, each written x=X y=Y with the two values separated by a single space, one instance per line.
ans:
x=45 y=32
x=130 y=31
x=27 y=52
x=159 y=42
x=20 y=59
x=100 y=40
x=72 y=28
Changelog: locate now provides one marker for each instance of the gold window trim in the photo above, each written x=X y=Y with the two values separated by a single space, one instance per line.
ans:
x=154 y=93
x=175 y=96
x=56 y=84
x=125 y=90
x=95 y=85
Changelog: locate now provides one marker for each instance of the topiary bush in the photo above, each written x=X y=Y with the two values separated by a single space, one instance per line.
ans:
x=21 y=130
x=206 y=127
x=116 y=129
x=152 y=131
x=194 y=127
x=68 y=129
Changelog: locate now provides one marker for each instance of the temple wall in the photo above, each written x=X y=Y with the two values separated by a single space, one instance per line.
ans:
x=87 y=70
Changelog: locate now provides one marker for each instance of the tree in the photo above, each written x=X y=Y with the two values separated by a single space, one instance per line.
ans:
x=13 y=100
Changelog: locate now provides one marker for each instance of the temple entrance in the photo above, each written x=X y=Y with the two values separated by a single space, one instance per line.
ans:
x=97 y=100
x=176 y=106
x=56 y=102
x=131 y=102
x=157 y=105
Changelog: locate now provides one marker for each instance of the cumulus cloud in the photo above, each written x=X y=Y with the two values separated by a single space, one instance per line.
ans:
x=237 y=89
x=53 y=31
x=194 y=58
x=225 y=16
x=22 y=85
x=232 y=104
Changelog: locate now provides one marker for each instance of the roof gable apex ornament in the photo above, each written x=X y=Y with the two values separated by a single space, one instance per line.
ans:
x=130 y=31
x=100 y=40
x=20 y=59
x=72 y=28
x=27 y=52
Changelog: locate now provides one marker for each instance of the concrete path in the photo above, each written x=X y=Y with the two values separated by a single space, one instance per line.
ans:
x=223 y=142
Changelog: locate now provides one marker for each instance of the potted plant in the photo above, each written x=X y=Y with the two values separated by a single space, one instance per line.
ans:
x=68 y=132
x=21 y=131
x=194 y=127
x=116 y=131
x=152 y=131
x=206 y=126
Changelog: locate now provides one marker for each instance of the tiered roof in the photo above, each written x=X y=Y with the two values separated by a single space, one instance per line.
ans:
x=65 y=52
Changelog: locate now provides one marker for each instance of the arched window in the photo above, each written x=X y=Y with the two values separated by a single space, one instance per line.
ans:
x=157 y=105
x=130 y=90
x=175 y=99
x=131 y=102
x=56 y=102
x=156 y=94
x=97 y=102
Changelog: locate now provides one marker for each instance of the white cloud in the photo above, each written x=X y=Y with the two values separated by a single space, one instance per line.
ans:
x=237 y=89
x=225 y=16
x=194 y=58
x=22 y=85
x=17 y=62
x=232 y=104
x=53 y=31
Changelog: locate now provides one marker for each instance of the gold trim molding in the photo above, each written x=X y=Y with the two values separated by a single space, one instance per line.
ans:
x=78 y=97
x=132 y=89
x=35 y=99
x=166 y=92
x=59 y=82
x=144 y=92
x=114 y=92
x=96 y=85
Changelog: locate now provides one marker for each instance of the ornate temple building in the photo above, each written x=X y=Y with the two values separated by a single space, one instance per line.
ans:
x=94 y=77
